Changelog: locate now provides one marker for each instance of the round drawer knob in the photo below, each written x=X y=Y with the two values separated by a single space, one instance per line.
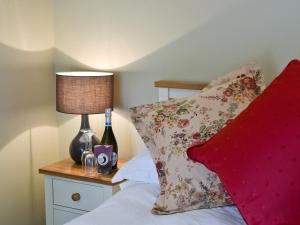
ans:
x=75 y=197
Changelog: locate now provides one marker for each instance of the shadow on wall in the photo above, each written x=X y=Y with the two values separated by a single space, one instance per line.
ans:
x=28 y=133
x=27 y=91
x=241 y=34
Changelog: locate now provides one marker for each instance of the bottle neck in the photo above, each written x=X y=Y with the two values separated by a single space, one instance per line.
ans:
x=107 y=122
x=85 y=124
x=108 y=118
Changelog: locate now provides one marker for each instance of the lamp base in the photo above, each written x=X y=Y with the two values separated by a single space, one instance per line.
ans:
x=78 y=144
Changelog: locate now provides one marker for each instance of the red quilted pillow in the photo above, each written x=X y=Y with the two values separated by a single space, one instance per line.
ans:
x=257 y=156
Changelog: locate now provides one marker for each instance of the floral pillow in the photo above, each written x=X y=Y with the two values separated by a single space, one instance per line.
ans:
x=168 y=128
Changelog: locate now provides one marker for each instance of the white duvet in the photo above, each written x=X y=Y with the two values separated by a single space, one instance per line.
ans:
x=132 y=206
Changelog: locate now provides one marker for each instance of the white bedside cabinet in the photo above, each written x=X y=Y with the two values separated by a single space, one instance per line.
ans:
x=69 y=192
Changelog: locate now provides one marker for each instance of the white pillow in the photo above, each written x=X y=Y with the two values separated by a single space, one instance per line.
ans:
x=140 y=168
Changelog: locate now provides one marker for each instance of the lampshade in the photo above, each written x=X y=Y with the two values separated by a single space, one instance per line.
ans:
x=84 y=92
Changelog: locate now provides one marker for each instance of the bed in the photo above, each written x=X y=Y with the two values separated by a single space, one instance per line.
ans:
x=132 y=204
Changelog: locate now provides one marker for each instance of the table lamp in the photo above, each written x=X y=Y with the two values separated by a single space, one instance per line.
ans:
x=84 y=93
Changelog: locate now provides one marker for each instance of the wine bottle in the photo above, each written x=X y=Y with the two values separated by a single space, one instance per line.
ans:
x=108 y=138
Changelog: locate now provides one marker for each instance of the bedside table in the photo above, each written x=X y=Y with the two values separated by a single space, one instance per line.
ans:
x=69 y=192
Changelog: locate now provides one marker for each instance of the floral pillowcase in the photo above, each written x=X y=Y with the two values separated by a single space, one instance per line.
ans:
x=168 y=128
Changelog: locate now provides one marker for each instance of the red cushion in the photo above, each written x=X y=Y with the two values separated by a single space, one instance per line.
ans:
x=257 y=156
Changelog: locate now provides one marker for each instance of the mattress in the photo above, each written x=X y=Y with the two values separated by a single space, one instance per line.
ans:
x=132 y=206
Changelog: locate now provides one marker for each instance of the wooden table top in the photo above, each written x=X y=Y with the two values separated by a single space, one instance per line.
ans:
x=69 y=169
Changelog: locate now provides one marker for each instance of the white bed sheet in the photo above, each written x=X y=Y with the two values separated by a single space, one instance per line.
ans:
x=132 y=205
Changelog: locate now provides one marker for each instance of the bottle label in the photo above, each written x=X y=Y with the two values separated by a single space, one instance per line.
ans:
x=102 y=159
x=108 y=117
x=107 y=121
x=114 y=159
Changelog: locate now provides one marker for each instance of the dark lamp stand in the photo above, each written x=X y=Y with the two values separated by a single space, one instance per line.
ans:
x=78 y=144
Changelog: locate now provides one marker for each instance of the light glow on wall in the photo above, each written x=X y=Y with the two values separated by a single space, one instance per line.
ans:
x=108 y=35
x=19 y=27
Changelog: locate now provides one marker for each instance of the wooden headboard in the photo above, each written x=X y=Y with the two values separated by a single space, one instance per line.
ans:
x=177 y=89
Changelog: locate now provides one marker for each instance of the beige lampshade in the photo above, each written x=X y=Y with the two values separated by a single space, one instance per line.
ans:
x=84 y=92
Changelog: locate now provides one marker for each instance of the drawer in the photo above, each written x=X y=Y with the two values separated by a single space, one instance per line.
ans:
x=60 y=217
x=77 y=195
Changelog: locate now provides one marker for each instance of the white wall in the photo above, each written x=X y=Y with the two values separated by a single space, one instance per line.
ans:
x=146 y=40
x=28 y=134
